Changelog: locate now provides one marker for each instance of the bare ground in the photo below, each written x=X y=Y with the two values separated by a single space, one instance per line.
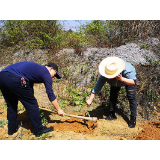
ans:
x=66 y=128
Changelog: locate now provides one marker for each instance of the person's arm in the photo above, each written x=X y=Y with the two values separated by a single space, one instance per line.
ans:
x=129 y=82
x=89 y=101
x=101 y=81
x=48 y=85
x=56 y=105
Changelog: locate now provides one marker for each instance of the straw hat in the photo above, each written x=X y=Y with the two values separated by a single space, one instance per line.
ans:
x=110 y=67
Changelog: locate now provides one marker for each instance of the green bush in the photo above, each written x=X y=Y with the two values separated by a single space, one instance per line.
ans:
x=76 y=98
x=33 y=33
x=47 y=34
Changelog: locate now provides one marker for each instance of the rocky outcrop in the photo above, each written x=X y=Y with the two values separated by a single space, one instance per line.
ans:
x=82 y=69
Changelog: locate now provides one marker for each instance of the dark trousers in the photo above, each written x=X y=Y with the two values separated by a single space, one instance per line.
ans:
x=13 y=91
x=131 y=95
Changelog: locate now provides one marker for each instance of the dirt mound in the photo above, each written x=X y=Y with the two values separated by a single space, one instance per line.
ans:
x=76 y=125
x=150 y=131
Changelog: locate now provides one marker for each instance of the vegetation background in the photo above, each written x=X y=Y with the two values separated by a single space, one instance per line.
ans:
x=48 y=34
x=29 y=35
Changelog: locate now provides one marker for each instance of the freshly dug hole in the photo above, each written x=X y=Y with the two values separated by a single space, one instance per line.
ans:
x=76 y=125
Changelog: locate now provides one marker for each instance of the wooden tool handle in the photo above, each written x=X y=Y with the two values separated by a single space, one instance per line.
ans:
x=69 y=115
x=81 y=117
x=47 y=110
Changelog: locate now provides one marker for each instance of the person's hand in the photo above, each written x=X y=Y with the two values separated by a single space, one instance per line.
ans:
x=119 y=77
x=88 y=102
x=60 y=112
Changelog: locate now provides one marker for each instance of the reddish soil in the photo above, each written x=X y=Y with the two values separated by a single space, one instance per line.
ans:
x=150 y=131
x=76 y=125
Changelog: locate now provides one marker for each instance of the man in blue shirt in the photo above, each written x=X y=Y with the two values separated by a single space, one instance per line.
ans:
x=16 y=84
x=117 y=73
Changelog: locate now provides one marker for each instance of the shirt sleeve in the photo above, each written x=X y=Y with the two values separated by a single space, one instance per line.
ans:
x=48 y=85
x=101 y=81
x=129 y=71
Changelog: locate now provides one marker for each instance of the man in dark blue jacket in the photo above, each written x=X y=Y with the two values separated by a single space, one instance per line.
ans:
x=16 y=84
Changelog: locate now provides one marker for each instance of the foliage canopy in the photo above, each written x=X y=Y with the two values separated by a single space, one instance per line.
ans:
x=48 y=34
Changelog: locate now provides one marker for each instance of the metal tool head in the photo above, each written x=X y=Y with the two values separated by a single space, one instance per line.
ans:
x=94 y=119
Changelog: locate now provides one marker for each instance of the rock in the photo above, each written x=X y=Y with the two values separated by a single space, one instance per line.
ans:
x=92 y=57
x=83 y=69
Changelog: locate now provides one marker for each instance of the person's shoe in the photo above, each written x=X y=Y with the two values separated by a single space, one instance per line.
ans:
x=44 y=130
x=132 y=122
x=111 y=116
x=14 y=131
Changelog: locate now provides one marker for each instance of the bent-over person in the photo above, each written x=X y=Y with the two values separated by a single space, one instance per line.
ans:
x=117 y=73
x=16 y=84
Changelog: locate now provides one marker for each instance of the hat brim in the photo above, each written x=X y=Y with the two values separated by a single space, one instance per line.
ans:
x=58 y=75
x=119 y=61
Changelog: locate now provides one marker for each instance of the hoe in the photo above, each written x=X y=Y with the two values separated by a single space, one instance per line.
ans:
x=94 y=119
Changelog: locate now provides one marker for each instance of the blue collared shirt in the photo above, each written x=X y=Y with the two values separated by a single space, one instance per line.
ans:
x=129 y=72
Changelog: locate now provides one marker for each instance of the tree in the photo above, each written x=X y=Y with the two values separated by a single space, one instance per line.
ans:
x=33 y=33
x=98 y=29
x=129 y=30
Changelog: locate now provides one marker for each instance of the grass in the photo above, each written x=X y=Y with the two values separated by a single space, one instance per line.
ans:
x=3 y=122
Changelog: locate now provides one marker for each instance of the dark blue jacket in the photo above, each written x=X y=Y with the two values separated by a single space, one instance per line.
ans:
x=34 y=73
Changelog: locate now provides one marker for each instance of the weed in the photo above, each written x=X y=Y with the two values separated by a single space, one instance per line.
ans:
x=143 y=46
x=87 y=113
x=5 y=105
x=66 y=72
x=76 y=97
x=43 y=136
x=20 y=107
x=104 y=94
x=63 y=104
x=43 y=118
x=3 y=122
x=151 y=94
x=46 y=135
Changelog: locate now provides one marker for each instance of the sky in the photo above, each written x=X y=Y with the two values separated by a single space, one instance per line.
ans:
x=73 y=24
